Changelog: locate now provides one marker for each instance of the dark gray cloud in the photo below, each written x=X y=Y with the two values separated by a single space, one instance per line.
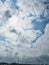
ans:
x=44 y=59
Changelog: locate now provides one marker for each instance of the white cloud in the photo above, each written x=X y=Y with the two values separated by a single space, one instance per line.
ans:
x=41 y=47
x=22 y=36
x=35 y=8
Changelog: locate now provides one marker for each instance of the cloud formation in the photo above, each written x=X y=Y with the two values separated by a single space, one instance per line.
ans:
x=18 y=37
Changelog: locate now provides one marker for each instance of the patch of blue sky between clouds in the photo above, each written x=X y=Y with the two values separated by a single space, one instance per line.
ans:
x=13 y=4
x=3 y=1
x=2 y=37
x=40 y=25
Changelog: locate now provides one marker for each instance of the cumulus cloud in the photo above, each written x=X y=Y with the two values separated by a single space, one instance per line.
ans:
x=18 y=30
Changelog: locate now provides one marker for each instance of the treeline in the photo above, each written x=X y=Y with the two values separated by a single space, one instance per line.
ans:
x=3 y=63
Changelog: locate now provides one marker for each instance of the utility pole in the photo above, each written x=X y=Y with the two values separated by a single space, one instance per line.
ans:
x=18 y=59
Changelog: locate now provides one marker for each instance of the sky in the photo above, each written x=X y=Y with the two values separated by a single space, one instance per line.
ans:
x=24 y=27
